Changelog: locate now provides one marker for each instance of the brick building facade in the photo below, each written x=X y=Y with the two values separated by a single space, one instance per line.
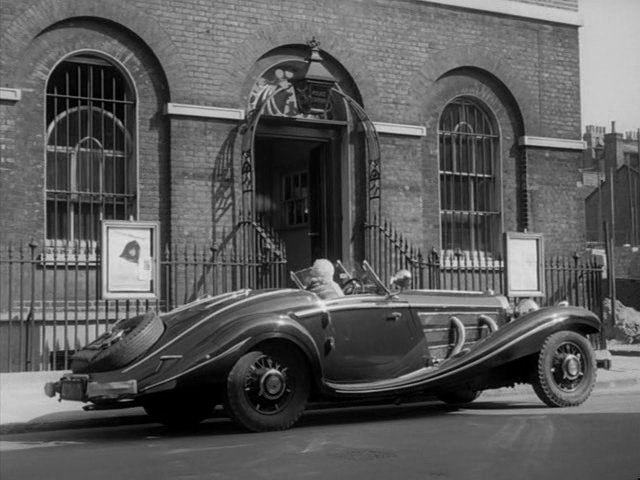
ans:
x=506 y=73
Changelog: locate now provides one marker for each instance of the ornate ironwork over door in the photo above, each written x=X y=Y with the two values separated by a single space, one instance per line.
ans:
x=360 y=120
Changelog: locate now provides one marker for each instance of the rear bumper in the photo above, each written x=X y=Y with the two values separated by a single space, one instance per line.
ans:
x=80 y=388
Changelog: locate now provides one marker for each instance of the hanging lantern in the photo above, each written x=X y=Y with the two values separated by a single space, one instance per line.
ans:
x=316 y=83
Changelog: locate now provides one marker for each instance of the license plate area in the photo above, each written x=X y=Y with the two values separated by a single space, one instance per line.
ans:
x=73 y=388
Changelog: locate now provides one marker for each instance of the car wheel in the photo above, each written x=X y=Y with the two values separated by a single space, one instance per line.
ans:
x=267 y=390
x=127 y=340
x=458 y=396
x=566 y=371
x=178 y=409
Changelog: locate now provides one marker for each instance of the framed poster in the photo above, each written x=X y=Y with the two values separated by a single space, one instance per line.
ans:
x=130 y=259
x=524 y=267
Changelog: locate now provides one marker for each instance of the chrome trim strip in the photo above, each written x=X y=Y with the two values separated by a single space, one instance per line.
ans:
x=202 y=300
x=454 y=312
x=229 y=351
x=412 y=381
x=205 y=319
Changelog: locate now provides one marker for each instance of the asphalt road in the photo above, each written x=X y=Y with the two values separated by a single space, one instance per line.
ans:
x=495 y=438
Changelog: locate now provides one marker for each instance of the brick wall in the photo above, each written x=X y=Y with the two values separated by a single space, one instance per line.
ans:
x=557 y=207
x=399 y=54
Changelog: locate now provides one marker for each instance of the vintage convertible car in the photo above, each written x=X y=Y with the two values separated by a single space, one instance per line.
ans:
x=264 y=355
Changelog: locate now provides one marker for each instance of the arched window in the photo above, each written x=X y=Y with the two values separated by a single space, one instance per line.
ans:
x=469 y=179
x=90 y=159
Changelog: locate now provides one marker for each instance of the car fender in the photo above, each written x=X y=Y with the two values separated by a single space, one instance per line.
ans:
x=520 y=338
x=284 y=328
x=535 y=326
x=230 y=343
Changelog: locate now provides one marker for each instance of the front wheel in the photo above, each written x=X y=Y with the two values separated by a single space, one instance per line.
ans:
x=566 y=370
x=268 y=390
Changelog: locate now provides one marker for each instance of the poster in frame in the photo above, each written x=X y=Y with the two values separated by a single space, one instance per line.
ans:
x=130 y=259
x=524 y=266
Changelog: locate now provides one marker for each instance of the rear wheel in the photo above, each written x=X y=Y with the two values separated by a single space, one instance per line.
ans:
x=268 y=390
x=566 y=371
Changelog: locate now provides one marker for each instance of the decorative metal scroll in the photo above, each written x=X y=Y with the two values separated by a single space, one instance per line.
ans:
x=264 y=106
x=282 y=91
x=372 y=155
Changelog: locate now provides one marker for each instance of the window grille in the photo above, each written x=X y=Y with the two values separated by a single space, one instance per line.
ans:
x=90 y=159
x=469 y=195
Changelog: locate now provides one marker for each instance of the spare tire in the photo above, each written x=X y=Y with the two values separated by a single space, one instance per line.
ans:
x=127 y=340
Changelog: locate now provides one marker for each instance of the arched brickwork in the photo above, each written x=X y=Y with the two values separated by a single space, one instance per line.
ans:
x=38 y=59
x=480 y=59
x=496 y=98
x=332 y=42
x=16 y=39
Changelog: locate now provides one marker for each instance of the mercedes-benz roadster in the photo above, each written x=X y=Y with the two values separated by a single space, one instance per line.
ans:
x=264 y=355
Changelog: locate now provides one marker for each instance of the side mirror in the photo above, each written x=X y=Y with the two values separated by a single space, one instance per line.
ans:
x=402 y=279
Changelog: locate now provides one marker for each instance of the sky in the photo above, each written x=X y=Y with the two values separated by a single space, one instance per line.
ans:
x=610 y=63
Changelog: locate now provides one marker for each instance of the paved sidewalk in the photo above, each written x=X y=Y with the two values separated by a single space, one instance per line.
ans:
x=24 y=406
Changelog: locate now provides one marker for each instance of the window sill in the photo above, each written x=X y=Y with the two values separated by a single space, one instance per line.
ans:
x=58 y=253
x=468 y=260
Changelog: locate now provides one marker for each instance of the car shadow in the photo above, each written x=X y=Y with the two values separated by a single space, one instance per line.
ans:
x=132 y=427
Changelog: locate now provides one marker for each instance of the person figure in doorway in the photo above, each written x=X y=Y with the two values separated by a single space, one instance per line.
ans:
x=321 y=282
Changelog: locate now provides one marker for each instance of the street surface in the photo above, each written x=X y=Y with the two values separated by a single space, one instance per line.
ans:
x=506 y=437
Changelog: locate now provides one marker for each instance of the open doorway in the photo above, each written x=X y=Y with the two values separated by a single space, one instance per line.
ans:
x=298 y=191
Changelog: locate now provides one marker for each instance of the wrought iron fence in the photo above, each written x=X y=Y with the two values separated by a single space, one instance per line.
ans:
x=50 y=297
x=576 y=280
x=51 y=305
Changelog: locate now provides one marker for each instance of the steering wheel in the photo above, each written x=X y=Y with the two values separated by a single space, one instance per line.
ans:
x=353 y=286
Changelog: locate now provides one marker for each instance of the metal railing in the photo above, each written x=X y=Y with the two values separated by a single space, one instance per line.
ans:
x=50 y=297
x=571 y=278
x=51 y=305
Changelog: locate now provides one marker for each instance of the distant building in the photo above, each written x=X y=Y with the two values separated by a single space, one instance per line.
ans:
x=612 y=159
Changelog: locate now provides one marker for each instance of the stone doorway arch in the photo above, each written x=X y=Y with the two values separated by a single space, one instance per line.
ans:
x=313 y=178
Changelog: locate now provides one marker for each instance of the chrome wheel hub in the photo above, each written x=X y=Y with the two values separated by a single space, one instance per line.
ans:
x=568 y=366
x=571 y=367
x=268 y=386
x=272 y=384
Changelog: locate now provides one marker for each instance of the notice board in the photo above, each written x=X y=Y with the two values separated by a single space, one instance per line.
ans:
x=524 y=266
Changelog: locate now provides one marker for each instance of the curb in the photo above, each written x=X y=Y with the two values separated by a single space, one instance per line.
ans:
x=625 y=353
x=75 y=423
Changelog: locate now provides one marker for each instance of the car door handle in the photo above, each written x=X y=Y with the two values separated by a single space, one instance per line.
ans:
x=395 y=316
